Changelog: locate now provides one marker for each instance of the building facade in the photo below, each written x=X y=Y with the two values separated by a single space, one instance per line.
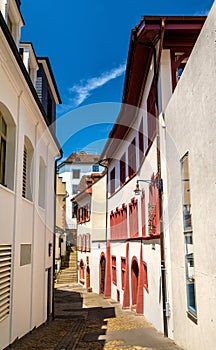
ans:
x=91 y=231
x=71 y=170
x=188 y=144
x=136 y=273
x=28 y=148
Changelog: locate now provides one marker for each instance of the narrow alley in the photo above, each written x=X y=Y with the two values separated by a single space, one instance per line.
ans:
x=85 y=320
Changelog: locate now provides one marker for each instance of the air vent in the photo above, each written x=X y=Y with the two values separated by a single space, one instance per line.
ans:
x=5 y=277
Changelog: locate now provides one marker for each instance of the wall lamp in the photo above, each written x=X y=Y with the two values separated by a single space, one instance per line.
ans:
x=158 y=183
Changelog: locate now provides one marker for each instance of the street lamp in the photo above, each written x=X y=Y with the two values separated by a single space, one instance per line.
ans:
x=158 y=183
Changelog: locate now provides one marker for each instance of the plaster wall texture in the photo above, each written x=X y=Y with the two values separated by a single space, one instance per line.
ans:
x=190 y=121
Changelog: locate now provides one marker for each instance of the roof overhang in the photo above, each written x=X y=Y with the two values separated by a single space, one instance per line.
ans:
x=180 y=33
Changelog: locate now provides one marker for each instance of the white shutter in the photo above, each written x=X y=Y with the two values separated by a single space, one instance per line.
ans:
x=5 y=276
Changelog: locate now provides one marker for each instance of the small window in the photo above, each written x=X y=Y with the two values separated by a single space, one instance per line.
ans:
x=74 y=188
x=74 y=210
x=122 y=170
x=112 y=181
x=42 y=184
x=25 y=254
x=3 y=143
x=114 y=274
x=132 y=158
x=76 y=174
x=188 y=238
x=27 y=169
x=123 y=272
x=95 y=168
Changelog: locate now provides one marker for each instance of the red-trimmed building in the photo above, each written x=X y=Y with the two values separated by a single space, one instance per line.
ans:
x=135 y=266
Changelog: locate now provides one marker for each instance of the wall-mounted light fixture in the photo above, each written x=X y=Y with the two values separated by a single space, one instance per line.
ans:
x=155 y=182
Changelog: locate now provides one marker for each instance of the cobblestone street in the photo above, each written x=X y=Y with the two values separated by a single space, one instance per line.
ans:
x=86 y=320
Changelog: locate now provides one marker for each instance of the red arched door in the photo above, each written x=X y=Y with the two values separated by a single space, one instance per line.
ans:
x=134 y=280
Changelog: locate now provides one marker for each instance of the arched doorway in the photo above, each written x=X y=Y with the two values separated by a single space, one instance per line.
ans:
x=87 y=277
x=81 y=272
x=102 y=273
x=134 y=280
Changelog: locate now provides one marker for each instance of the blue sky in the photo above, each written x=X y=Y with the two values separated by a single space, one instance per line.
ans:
x=87 y=42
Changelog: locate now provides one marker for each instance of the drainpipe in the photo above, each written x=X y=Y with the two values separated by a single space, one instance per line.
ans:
x=54 y=236
x=163 y=266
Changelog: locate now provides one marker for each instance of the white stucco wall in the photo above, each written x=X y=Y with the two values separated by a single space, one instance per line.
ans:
x=190 y=122
x=24 y=222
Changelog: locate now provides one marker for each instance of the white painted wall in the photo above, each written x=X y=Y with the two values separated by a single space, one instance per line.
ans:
x=24 y=222
x=190 y=122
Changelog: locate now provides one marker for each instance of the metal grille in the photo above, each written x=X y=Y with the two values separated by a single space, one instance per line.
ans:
x=5 y=279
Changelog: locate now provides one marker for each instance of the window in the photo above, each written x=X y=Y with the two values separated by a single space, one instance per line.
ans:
x=5 y=279
x=151 y=111
x=27 y=169
x=74 y=210
x=74 y=187
x=153 y=209
x=133 y=218
x=88 y=242
x=188 y=239
x=132 y=158
x=143 y=214
x=145 y=276
x=123 y=272
x=122 y=170
x=42 y=184
x=76 y=174
x=3 y=140
x=95 y=168
x=114 y=275
x=112 y=181
x=141 y=142
x=25 y=254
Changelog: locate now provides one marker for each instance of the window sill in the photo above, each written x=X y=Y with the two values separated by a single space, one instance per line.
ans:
x=192 y=317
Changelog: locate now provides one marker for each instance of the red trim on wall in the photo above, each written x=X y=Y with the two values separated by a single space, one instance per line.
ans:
x=143 y=214
x=126 y=298
x=107 y=289
x=118 y=223
x=140 y=291
x=133 y=218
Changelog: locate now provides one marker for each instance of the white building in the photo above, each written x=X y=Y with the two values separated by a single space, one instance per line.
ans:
x=188 y=143
x=136 y=273
x=90 y=206
x=71 y=170
x=27 y=166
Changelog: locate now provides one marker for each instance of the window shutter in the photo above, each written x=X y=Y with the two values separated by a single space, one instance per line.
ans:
x=5 y=276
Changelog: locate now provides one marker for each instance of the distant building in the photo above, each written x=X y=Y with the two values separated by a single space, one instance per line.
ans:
x=71 y=170
x=90 y=204
x=61 y=236
x=28 y=148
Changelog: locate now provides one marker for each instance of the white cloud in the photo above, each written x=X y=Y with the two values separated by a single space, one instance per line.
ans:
x=83 y=89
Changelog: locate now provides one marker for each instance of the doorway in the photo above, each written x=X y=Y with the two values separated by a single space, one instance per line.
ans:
x=134 y=281
x=102 y=273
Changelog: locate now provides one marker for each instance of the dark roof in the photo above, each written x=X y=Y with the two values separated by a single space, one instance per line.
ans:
x=82 y=157
x=46 y=59
x=21 y=65
x=180 y=32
